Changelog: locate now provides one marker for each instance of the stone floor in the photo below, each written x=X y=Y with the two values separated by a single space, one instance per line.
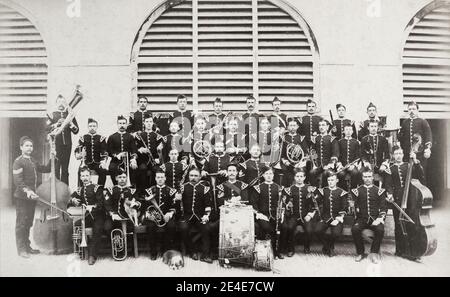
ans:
x=314 y=264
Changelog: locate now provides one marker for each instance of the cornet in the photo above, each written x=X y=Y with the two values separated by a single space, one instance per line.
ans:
x=155 y=214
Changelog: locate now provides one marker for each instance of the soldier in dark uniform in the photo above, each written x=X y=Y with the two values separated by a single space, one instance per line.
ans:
x=333 y=201
x=92 y=150
x=174 y=141
x=91 y=196
x=137 y=118
x=121 y=144
x=147 y=142
x=301 y=212
x=349 y=151
x=412 y=126
x=265 y=200
x=395 y=185
x=216 y=118
x=278 y=120
x=164 y=197
x=174 y=170
x=375 y=150
x=251 y=170
x=235 y=141
x=327 y=149
x=25 y=170
x=231 y=190
x=250 y=123
x=63 y=141
x=200 y=142
x=370 y=203
x=373 y=117
x=310 y=123
x=292 y=138
x=340 y=123
x=115 y=199
x=195 y=210
x=217 y=163
x=183 y=117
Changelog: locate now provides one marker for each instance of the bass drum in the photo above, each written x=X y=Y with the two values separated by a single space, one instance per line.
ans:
x=236 y=235
x=263 y=255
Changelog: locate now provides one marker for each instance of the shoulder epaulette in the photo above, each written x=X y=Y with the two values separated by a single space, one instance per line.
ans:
x=172 y=191
x=163 y=167
x=132 y=190
x=96 y=187
x=185 y=166
x=257 y=188
x=244 y=165
x=344 y=193
x=149 y=190
x=321 y=190
x=206 y=189
x=243 y=186
x=381 y=191
x=355 y=192
x=220 y=187
x=388 y=170
x=287 y=191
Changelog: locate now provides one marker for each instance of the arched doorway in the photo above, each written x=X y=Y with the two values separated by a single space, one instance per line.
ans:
x=227 y=49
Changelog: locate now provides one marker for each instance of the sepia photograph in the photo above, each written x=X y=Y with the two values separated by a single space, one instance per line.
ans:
x=236 y=139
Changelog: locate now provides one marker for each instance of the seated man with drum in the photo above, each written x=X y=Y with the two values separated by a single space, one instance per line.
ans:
x=89 y=197
x=265 y=201
x=300 y=210
x=160 y=215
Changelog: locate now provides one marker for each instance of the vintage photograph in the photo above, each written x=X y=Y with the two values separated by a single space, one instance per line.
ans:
x=235 y=138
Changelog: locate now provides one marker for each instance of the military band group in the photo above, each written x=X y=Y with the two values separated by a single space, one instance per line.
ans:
x=294 y=171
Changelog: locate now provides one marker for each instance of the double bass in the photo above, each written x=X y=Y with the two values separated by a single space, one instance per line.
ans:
x=53 y=230
x=417 y=202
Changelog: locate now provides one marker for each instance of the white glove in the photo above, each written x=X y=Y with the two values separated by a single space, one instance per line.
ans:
x=133 y=164
x=76 y=201
x=157 y=161
x=334 y=223
x=89 y=208
x=309 y=216
x=168 y=216
x=31 y=195
x=390 y=198
x=427 y=153
x=205 y=219
x=115 y=217
x=260 y=216
x=143 y=150
x=377 y=222
x=340 y=219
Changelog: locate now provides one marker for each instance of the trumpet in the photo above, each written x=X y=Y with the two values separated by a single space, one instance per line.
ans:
x=126 y=160
x=155 y=214
x=79 y=237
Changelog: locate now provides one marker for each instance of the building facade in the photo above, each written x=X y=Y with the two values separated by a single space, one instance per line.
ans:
x=350 y=51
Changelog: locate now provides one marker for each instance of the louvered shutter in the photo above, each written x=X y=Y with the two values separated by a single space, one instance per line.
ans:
x=426 y=62
x=23 y=66
x=227 y=49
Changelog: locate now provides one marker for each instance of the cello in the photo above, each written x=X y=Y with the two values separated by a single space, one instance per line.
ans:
x=417 y=202
x=53 y=230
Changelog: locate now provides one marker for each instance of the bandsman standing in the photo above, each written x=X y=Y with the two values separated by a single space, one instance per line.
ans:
x=375 y=149
x=25 y=176
x=183 y=117
x=310 y=122
x=120 y=145
x=372 y=113
x=63 y=141
x=340 y=123
x=92 y=149
x=174 y=170
x=250 y=122
x=137 y=118
x=410 y=129
x=349 y=153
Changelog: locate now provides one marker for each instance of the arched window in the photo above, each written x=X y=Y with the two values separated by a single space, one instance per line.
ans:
x=23 y=66
x=229 y=49
x=426 y=60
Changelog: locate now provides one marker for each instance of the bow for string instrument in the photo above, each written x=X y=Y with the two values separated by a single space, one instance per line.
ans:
x=417 y=202
x=52 y=231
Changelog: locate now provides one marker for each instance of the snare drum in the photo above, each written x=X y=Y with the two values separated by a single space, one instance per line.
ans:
x=263 y=255
x=236 y=234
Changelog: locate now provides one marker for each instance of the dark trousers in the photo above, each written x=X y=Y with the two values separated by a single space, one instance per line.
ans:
x=165 y=235
x=24 y=221
x=97 y=223
x=62 y=166
x=328 y=240
x=144 y=177
x=288 y=229
x=214 y=228
x=194 y=224
x=357 y=229
x=401 y=243
x=266 y=230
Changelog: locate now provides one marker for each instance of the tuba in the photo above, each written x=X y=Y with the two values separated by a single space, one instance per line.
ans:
x=79 y=237
x=118 y=244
